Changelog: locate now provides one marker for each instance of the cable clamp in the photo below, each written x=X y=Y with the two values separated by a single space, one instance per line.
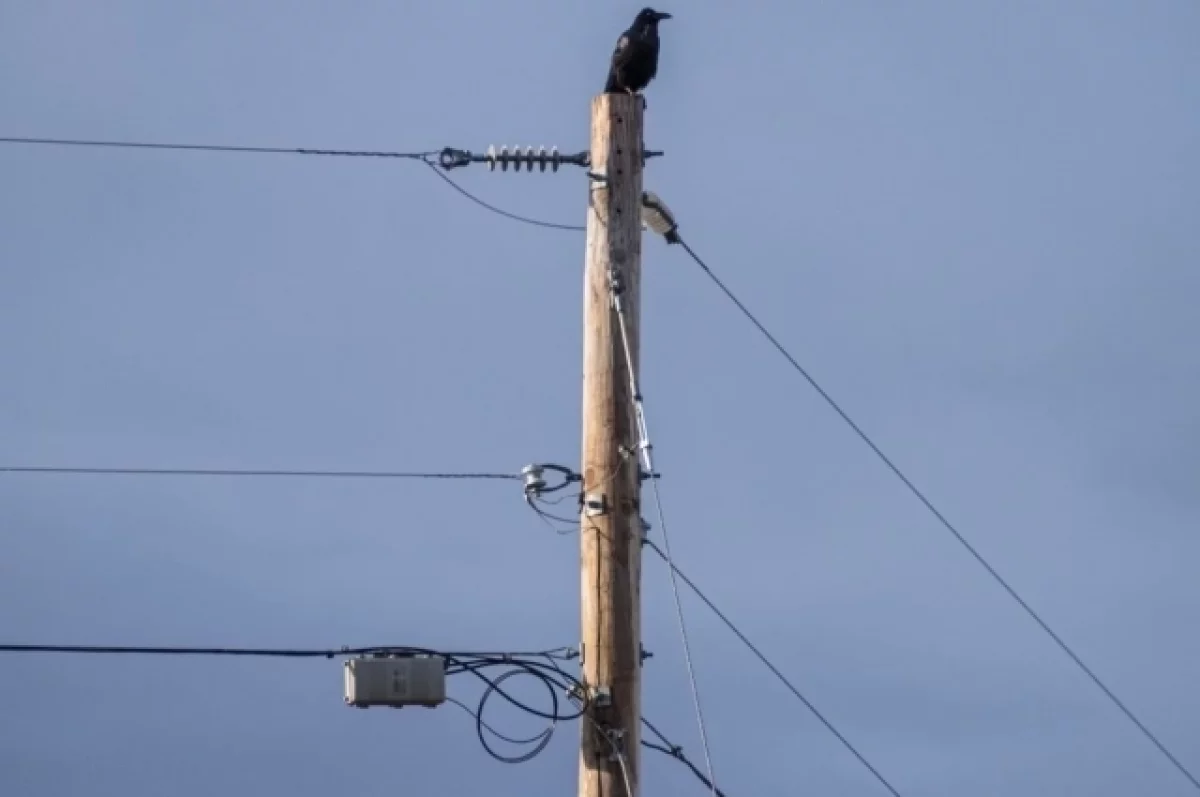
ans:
x=644 y=474
x=616 y=740
x=595 y=504
x=451 y=158
x=615 y=285
x=601 y=696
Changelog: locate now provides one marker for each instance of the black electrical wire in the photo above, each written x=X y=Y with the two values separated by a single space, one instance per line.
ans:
x=425 y=157
x=950 y=527
x=540 y=665
x=554 y=676
x=533 y=499
x=352 y=153
x=539 y=740
x=549 y=518
x=494 y=209
x=326 y=653
x=327 y=474
x=862 y=759
x=675 y=751
x=550 y=674
x=291 y=653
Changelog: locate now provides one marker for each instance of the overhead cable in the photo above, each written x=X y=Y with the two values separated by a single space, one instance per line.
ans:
x=352 y=153
x=225 y=472
x=654 y=210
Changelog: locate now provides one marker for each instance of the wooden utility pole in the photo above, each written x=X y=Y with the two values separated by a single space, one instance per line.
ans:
x=611 y=530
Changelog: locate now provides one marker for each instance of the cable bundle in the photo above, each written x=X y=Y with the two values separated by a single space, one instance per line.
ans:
x=542 y=666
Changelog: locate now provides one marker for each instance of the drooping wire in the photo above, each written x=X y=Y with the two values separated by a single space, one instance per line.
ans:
x=489 y=728
x=644 y=447
x=328 y=474
x=65 y=142
x=569 y=525
x=554 y=675
x=538 y=741
x=950 y=527
x=549 y=673
x=494 y=209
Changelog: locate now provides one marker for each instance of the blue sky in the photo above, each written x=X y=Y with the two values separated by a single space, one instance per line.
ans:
x=974 y=222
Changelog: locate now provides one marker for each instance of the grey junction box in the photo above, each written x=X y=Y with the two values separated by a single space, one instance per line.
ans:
x=395 y=681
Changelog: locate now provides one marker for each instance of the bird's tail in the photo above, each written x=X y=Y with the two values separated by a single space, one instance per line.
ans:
x=612 y=86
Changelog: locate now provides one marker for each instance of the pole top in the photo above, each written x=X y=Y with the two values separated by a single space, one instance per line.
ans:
x=619 y=101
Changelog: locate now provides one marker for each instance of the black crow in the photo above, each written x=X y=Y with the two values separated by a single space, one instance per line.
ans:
x=635 y=59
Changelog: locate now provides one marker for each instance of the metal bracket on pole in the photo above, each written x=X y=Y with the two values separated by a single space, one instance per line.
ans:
x=595 y=504
x=601 y=696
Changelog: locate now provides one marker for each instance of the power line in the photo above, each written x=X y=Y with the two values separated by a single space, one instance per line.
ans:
x=423 y=157
x=286 y=653
x=504 y=213
x=326 y=474
x=775 y=670
x=941 y=518
x=66 y=142
x=541 y=665
x=520 y=663
x=745 y=641
x=675 y=751
x=289 y=653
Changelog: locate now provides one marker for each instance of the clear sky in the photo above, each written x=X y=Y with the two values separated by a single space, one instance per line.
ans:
x=977 y=223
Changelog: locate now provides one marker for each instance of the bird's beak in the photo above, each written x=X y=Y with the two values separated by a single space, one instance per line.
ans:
x=662 y=15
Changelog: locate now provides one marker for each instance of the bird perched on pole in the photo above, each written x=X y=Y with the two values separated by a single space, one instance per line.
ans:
x=635 y=59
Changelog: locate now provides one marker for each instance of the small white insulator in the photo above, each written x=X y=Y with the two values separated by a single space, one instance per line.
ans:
x=541 y=157
x=527 y=159
x=534 y=483
x=491 y=158
x=554 y=159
